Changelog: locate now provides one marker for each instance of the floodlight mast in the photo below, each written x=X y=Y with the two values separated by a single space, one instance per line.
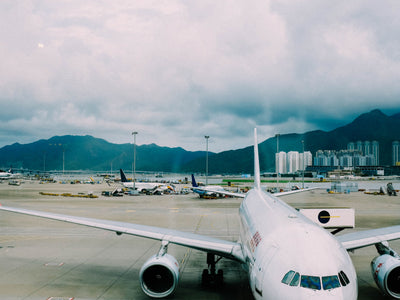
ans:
x=207 y=137
x=134 y=133
x=302 y=186
x=277 y=161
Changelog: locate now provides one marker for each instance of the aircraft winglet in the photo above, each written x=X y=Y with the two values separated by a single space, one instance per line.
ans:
x=257 y=180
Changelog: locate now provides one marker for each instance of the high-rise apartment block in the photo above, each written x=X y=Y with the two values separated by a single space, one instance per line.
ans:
x=292 y=161
x=357 y=154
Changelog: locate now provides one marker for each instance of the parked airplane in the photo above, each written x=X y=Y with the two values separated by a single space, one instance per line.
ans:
x=6 y=175
x=208 y=190
x=286 y=255
x=145 y=187
x=216 y=190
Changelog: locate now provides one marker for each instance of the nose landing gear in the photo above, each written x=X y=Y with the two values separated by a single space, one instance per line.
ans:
x=209 y=276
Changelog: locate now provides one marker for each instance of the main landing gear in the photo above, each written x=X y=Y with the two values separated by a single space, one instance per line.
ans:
x=209 y=276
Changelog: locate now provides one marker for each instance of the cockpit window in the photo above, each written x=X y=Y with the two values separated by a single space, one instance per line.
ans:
x=330 y=282
x=310 y=282
x=296 y=279
x=288 y=277
x=293 y=278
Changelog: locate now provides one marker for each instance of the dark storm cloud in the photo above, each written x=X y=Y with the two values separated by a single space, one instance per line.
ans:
x=194 y=69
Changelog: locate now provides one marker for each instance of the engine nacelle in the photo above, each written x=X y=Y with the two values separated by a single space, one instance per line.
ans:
x=159 y=276
x=386 y=272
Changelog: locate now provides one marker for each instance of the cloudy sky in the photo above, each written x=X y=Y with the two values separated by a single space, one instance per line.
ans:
x=178 y=70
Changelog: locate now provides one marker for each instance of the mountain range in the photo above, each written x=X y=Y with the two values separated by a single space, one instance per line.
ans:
x=90 y=153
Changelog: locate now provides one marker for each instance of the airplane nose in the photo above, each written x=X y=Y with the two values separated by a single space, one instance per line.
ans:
x=336 y=294
x=333 y=296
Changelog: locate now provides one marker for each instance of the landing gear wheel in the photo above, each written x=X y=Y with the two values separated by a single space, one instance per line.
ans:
x=209 y=277
x=205 y=278
x=219 y=278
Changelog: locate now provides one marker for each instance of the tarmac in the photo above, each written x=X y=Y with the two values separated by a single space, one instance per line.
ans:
x=42 y=259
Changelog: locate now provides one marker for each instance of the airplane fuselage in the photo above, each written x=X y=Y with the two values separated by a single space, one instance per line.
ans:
x=290 y=257
x=141 y=186
x=209 y=190
x=5 y=175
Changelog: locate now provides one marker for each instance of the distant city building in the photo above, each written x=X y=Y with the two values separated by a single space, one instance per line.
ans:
x=305 y=157
x=360 y=146
x=350 y=146
x=367 y=148
x=375 y=152
x=346 y=161
x=349 y=158
x=292 y=162
x=280 y=162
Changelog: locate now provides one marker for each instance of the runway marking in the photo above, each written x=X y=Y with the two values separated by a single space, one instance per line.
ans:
x=54 y=264
x=60 y=298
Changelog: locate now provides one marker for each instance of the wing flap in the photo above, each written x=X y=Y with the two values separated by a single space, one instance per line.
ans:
x=360 y=239
x=231 y=250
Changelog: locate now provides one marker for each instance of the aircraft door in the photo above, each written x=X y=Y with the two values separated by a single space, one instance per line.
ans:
x=260 y=266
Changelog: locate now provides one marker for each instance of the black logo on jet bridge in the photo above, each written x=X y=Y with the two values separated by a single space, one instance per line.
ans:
x=324 y=217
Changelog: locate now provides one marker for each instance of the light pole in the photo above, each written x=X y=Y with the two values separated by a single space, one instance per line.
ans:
x=302 y=186
x=134 y=133
x=207 y=137
x=277 y=161
x=63 y=160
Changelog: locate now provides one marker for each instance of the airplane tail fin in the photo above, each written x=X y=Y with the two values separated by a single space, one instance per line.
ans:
x=194 y=183
x=257 y=180
x=123 y=177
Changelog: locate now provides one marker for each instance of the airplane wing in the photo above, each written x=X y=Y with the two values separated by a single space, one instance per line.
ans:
x=227 y=193
x=242 y=195
x=294 y=192
x=360 y=239
x=231 y=250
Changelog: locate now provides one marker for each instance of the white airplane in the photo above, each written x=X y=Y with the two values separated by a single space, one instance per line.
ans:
x=287 y=256
x=6 y=175
x=145 y=187
x=208 y=190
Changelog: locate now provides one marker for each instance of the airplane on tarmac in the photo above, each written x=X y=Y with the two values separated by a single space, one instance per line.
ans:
x=6 y=175
x=145 y=187
x=208 y=190
x=216 y=190
x=287 y=255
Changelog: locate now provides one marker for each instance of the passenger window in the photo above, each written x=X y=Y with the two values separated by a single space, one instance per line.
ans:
x=310 y=282
x=330 y=282
x=344 y=280
x=288 y=277
x=296 y=279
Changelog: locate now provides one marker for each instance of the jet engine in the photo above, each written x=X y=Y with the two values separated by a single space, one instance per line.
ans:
x=159 y=275
x=386 y=272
